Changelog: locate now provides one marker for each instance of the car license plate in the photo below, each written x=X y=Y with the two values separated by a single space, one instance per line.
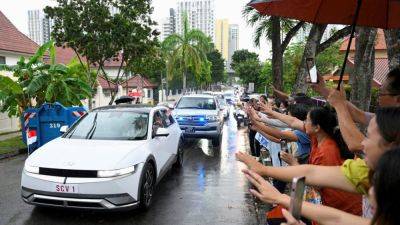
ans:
x=66 y=188
x=190 y=130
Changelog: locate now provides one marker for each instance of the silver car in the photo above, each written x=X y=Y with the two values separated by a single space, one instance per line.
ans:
x=200 y=116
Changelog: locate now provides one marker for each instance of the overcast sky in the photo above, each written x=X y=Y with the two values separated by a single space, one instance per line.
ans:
x=16 y=11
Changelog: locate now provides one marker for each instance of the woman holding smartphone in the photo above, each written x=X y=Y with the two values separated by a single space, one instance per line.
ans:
x=384 y=196
x=327 y=149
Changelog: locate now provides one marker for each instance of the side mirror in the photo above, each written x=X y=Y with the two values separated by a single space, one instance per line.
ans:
x=63 y=129
x=171 y=106
x=162 y=132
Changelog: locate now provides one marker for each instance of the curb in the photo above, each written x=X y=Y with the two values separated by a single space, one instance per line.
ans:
x=259 y=206
x=14 y=153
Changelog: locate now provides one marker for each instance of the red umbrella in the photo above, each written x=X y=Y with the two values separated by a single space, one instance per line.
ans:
x=369 y=13
x=134 y=94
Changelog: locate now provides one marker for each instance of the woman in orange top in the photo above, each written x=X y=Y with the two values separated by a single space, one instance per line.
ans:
x=329 y=149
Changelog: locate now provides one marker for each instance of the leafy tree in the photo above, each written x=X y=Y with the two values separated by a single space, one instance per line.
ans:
x=150 y=66
x=327 y=62
x=313 y=47
x=249 y=72
x=272 y=28
x=187 y=52
x=97 y=35
x=42 y=82
x=240 y=56
x=217 y=67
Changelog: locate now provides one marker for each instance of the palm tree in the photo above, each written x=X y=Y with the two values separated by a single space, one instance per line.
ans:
x=186 y=52
x=271 y=27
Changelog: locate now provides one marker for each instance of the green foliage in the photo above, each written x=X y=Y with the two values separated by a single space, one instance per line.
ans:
x=217 y=67
x=249 y=72
x=263 y=24
x=266 y=77
x=327 y=62
x=240 y=56
x=151 y=65
x=291 y=64
x=330 y=59
x=11 y=145
x=187 y=53
x=42 y=82
x=94 y=32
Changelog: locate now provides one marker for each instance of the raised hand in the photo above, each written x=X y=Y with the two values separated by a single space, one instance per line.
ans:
x=288 y=158
x=336 y=97
x=250 y=162
x=263 y=189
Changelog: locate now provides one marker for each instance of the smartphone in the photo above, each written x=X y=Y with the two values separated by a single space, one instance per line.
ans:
x=284 y=145
x=312 y=70
x=296 y=196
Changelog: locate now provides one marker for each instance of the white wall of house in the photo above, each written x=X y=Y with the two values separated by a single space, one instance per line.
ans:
x=8 y=124
x=112 y=72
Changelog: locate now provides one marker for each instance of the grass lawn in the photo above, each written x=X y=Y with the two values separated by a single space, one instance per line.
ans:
x=11 y=145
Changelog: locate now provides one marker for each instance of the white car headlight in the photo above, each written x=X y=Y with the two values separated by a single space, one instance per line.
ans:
x=212 y=118
x=116 y=173
x=31 y=169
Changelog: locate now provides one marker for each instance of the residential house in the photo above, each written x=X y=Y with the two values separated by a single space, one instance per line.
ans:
x=137 y=83
x=13 y=45
x=381 y=61
x=104 y=87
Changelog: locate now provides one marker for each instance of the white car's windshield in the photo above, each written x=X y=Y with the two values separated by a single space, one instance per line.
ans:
x=197 y=103
x=111 y=125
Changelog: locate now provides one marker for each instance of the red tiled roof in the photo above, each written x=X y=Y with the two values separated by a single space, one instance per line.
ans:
x=104 y=84
x=381 y=70
x=64 y=55
x=136 y=81
x=12 y=40
x=380 y=43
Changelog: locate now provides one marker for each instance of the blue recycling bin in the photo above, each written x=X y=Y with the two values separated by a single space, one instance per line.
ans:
x=44 y=123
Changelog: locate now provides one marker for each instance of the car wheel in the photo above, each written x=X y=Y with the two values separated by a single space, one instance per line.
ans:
x=147 y=186
x=179 y=159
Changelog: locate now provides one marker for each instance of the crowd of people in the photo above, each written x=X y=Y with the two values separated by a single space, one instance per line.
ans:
x=350 y=158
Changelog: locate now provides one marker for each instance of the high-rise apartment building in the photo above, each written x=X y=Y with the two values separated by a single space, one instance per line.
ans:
x=168 y=25
x=233 y=43
x=200 y=14
x=39 y=26
x=222 y=37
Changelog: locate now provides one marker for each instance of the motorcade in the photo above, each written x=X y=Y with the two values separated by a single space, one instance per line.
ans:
x=230 y=97
x=200 y=116
x=111 y=158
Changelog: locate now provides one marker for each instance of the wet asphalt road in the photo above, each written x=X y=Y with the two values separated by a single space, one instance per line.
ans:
x=209 y=189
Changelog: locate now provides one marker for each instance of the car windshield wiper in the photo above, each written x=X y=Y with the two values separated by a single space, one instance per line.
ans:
x=93 y=128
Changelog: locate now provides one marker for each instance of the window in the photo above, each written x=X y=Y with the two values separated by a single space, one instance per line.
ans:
x=2 y=60
x=111 y=125
x=168 y=119
x=197 y=103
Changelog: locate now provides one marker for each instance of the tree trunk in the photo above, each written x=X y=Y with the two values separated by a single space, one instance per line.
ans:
x=393 y=47
x=277 y=53
x=310 y=49
x=90 y=103
x=364 y=65
x=184 y=81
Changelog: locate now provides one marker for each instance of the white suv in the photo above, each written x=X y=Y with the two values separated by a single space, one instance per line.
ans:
x=200 y=116
x=112 y=158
